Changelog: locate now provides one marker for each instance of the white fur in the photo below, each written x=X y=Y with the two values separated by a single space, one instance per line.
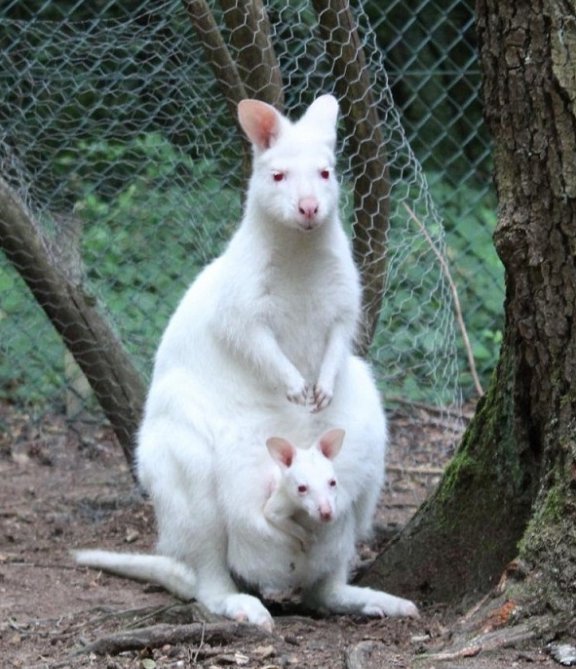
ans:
x=304 y=493
x=261 y=345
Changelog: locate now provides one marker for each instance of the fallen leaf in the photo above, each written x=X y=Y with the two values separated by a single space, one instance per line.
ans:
x=265 y=651
x=131 y=536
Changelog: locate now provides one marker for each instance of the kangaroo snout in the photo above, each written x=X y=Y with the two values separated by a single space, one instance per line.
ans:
x=308 y=208
x=326 y=513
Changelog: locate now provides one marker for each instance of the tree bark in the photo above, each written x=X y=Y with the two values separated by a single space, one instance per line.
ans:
x=369 y=161
x=511 y=488
x=217 y=52
x=250 y=37
x=76 y=316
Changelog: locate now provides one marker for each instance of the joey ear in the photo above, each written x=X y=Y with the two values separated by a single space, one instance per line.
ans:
x=321 y=116
x=260 y=121
x=330 y=443
x=281 y=450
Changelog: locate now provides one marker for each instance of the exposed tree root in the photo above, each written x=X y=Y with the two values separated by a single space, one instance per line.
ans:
x=501 y=638
x=156 y=636
x=504 y=618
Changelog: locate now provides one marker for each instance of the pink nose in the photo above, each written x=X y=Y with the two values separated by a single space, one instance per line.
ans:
x=325 y=514
x=308 y=207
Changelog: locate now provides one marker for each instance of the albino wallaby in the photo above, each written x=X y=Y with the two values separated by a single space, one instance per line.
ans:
x=306 y=487
x=279 y=309
x=266 y=328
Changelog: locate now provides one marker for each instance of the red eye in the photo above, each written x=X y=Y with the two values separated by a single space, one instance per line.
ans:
x=325 y=174
x=278 y=176
x=302 y=489
x=332 y=483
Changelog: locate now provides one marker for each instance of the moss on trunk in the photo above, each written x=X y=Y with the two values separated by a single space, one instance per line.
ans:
x=459 y=541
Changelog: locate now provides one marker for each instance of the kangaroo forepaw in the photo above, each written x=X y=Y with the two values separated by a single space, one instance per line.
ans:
x=298 y=394
x=321 y=398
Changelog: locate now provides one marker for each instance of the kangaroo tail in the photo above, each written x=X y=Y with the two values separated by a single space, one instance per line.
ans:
x=175 y=576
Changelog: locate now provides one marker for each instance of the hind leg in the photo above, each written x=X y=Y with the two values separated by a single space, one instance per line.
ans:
x=335 y=595
x=191 y=528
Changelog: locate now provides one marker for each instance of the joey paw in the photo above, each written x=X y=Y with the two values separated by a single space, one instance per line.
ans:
x=299 y=544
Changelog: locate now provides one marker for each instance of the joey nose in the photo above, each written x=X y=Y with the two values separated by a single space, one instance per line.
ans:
x=325 y=514
x=308 y=207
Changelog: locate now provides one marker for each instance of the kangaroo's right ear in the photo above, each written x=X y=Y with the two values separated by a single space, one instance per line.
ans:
x=260 y=121
x=330 y=443
x=281 y=450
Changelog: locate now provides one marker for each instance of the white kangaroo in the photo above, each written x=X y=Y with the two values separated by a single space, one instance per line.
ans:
x=272 y=319
x=304 y=490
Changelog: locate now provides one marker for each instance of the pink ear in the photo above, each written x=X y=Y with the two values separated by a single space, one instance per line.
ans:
x=260 y=121
x=330 y=443
x=281 y=450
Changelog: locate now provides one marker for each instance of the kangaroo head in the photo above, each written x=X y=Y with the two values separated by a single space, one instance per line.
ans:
x=308 y=474
x=293 y=178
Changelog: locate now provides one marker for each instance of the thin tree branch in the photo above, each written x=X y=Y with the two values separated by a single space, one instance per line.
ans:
x=455 y=297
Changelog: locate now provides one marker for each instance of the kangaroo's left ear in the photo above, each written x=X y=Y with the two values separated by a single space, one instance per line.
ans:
x=281 y=450
x=330 y=443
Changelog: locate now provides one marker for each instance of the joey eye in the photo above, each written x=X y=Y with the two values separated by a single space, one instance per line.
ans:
x=325 y=174
x=332 y=483
x=278 y=176
x=302 y=489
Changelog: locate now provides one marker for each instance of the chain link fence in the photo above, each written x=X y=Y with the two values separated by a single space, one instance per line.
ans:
x=121 y=140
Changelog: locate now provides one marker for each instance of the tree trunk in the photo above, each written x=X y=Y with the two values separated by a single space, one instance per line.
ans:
x=53 y=280
x=250 y=36
x=217 y=52
x=511 y=488
x=370 y=165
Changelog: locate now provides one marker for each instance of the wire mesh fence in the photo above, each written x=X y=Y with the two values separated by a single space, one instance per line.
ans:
x=117 y=132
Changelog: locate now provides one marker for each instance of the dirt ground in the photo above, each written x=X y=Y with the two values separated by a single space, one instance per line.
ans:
x=63 y=488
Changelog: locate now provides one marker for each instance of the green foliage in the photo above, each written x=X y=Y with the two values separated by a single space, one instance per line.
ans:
x=470 y=218
x=409 y=342
x=144 y=246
